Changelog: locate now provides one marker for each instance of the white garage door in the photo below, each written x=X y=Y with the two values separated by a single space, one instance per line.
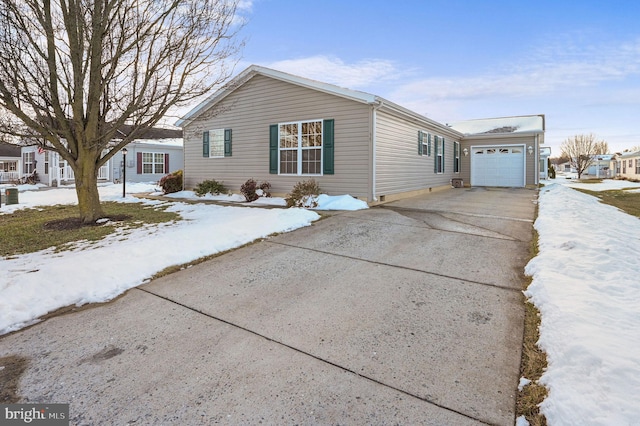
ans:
x=497 y=166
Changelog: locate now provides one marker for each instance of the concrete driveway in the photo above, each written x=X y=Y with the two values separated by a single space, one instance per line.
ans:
x=410 y=313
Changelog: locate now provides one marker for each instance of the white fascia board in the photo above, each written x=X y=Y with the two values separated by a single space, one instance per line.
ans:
x=483 y=136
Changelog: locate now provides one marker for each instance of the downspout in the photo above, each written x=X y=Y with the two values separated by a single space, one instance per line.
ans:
x=374 y=109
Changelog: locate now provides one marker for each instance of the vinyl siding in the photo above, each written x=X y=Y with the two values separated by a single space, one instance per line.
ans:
x=526 y=140
x=263 y=101
x=399 y=167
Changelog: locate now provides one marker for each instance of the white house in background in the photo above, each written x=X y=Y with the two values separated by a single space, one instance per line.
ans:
x=10 y=164
x=148 y=159
x=601 y=166
x=629 y=163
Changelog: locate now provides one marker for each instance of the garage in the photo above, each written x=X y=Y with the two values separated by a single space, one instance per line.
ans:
x=500 y=165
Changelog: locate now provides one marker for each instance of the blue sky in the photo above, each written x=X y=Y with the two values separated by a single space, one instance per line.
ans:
x=577 y=62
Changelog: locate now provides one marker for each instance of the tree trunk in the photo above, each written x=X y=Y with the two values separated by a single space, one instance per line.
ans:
x=86 y=177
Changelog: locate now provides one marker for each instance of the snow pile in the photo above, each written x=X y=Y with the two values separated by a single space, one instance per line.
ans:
x=342 y=202
x=323 y=201
x=586 y=285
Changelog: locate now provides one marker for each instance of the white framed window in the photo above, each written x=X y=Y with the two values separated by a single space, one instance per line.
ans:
x=439 y=155
x=300 y=148
x=153 y=163
x=28 y=160
x=424 y=143
x=216 y=143
x=638 y=167
x=456 y=157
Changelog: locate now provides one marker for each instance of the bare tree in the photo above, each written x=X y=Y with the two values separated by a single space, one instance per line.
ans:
x=582 y=149
x=601 y=148
x=74 y=72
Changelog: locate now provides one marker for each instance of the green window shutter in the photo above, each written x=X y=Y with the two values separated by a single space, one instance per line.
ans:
x=273 y=149
x=328 y=148
x=205 y=144
x=429 y=144
x=227 y=142
x=435 y=154
x=420 y=136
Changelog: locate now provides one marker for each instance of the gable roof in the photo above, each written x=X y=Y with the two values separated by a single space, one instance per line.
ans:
x=7 y=150
x=254 y=70
x=354 y=95
x=516 y=124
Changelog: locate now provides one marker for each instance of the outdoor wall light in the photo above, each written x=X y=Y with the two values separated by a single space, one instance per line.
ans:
x=530 y=150
x=465 y=152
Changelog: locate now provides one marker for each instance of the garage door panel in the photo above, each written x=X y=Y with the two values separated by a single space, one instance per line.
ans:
x=497 y=166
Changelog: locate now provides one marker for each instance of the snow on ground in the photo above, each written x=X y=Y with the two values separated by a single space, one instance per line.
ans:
x=586 y=284
x=605 y=185
x=36 y=283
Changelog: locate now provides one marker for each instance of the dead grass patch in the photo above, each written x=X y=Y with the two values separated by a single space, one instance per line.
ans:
x=534 y=360
x=628 y=202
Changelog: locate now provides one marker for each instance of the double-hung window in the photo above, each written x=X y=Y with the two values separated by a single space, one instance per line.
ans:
x=153 y=163
x=28 y=159
x=638 y=167
x=216 y=143
x=300 y=148
x=439 y=154
x=424 y=143
x=456 y=157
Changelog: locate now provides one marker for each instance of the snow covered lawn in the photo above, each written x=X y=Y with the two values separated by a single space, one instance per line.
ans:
x=36 y=283
x=586 y=284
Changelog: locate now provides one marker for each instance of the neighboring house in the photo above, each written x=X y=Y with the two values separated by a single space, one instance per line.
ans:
x=10 y=164
x=277 y=127
x=601 y=166
x=629 y=165
x=148 y=159
x=566 y=168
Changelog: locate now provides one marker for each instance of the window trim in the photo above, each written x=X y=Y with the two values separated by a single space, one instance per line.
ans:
x=424 y=141
x=299 y=149
x=439 y=157
x=29 y=162
x=153 y=163
x=456 y=157
x=212 y=133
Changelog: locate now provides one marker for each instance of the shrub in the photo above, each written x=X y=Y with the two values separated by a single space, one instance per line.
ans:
x=252 y=191
x=171 y=182
x=304 y=194
x=263 y=189
x=552 y=172
x=210 y=187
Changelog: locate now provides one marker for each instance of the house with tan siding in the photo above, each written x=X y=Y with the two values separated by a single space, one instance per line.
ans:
x=629 y=165
x=277 y=127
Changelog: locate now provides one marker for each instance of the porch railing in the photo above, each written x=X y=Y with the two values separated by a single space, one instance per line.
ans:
x=8 y=177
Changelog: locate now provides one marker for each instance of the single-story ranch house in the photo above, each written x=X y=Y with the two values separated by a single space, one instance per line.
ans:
x=273 y=126
x=629 y=165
